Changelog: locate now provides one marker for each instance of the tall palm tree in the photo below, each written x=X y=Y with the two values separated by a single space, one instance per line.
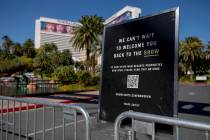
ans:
x=17 y=49
x=95 y=53
x=86 y=34
x=190 y=50
x=7 y=43
x=28 y=48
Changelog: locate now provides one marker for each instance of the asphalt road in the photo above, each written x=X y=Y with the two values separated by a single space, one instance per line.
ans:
x=46 y=123
x=194 y=101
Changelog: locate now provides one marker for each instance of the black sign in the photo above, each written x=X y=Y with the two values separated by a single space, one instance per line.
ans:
x=139 y=70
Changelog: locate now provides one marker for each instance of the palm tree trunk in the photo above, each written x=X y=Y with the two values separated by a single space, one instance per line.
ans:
x=94 y=64
x=191 y=73
x=88 y=59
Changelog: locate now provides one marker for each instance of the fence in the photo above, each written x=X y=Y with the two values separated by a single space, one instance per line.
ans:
x=159 y=119
x=23 y=118
x=12 y=88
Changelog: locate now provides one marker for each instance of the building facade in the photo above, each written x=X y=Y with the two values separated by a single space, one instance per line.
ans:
x=126 y=13
x=59 y=32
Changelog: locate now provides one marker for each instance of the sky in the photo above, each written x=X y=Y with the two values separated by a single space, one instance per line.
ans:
x=17 y=17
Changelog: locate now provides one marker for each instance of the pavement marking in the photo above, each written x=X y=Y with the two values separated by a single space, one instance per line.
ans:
x=60 y=98
x=202 y=109
x=16 y=134
x=206 y=108
x=191 y=93
x=31 y=106
x=187 y=106
x=59 y=126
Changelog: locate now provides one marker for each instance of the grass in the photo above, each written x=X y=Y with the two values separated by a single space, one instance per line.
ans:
x=186 y=79
x=77 y=87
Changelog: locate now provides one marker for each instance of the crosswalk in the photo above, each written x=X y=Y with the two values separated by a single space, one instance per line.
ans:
x=194 y=108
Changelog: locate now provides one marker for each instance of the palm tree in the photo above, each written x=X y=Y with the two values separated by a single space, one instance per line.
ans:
x=95 y=53
x=49 y=47
x=17 y=49
x=207 y=52
x=28 y=48
x=7 y=43
x=182 y=66
x=86 y=34
x=190 y=50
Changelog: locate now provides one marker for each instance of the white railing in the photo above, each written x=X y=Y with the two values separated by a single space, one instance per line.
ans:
x=24 y=118
x=162 y=120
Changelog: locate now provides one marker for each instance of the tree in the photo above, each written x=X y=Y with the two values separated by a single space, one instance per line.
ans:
x=17 y=49
x=207 y=52
x=28 y=48
x=206 y=56
x=43 y=62
x=56 y=58
x=52 y=53
x=65 y=73
x=26 y=63
x=6 y=55
x=190 y=52
x=49 y=47
x=9 y=66
x=95 y=53
x=49 y=58
x=7 y=43
x=66 y=58
x=86 y=34
x=79 y=65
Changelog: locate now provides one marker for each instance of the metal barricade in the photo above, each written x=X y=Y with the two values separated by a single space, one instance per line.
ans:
x=24 y=118
x=12 y=88
x=162 y=120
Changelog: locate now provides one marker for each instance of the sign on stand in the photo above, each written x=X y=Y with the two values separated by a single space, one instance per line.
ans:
x=139 y=67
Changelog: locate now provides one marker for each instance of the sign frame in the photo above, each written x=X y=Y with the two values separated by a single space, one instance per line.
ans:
x=176 y=45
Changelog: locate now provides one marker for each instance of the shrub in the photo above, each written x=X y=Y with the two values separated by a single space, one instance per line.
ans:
x=85 y=78
x=26 y=62
x=95 y=80
x=186 y=78
x=9 y=65
x=65 y=73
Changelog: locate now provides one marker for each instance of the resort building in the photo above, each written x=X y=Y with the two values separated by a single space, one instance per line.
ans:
x=59 y=32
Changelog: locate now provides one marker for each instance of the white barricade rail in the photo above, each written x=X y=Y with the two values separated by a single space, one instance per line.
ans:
x=159 y=119
x=25 y=118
